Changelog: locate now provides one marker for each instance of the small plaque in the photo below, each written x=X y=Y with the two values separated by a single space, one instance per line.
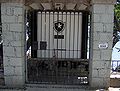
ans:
x=35 y=45
x=43 y=45
x=103 y=46
x=59 y=36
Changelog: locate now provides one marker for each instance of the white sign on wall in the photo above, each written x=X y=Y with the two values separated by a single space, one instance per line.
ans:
x=103 y=46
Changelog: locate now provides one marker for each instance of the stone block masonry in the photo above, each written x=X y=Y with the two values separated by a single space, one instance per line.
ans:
x=13 y=43
x=101 y=32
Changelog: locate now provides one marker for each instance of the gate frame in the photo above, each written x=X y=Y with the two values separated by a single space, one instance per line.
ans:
x=84 y=45
x=85 y=15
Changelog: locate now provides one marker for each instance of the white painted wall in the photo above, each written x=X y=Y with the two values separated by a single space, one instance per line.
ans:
x=72 y=35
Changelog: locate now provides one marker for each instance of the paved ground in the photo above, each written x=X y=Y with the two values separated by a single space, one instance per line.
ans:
x=60 y=88
x=54 y=88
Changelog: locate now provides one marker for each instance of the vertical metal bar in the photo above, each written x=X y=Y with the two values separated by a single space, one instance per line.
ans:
x=54 y=55
x=30 y=30
x=1 y=49
x=65 y=33
x=57 y=33
x=69 y=34
x=57 y=51
x=32 y=34
x=62 y=75
x=49 y=38
x=61 y=38
x=37 y=70
x=45 y=35
x=33 y=23
x=41 y=33
x=84 y=35
x=73 y=34
x=53 y=37
x=25 y=49
x=89 y=35
x=78 y=37
x=0 y=18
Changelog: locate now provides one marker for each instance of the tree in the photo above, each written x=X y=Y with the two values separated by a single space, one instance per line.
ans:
x=116 y=31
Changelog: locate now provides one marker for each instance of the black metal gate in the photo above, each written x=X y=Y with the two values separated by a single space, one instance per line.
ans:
x=58 y=47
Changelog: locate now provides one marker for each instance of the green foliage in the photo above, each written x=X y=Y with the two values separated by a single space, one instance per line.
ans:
x=117 y=11
x=116 y=37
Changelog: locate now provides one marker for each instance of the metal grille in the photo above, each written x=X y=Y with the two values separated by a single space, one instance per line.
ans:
x=59 y=34
x=56 y=48
x=58 y=71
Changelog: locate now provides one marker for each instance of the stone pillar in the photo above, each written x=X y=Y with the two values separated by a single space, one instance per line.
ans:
x=13 y=43
x=101 y=37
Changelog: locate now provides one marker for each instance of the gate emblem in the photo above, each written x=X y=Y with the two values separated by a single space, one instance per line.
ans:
x=59 y=26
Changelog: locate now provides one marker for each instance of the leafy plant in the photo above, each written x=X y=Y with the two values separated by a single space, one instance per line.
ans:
x=116 y=30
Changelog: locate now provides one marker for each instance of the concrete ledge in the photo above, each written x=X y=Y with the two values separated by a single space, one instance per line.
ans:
x=45 y=87
x=57 y=86
x=6 y=88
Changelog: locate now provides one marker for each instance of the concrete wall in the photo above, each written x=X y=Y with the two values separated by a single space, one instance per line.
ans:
x=13 y=43
x=101 y=34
